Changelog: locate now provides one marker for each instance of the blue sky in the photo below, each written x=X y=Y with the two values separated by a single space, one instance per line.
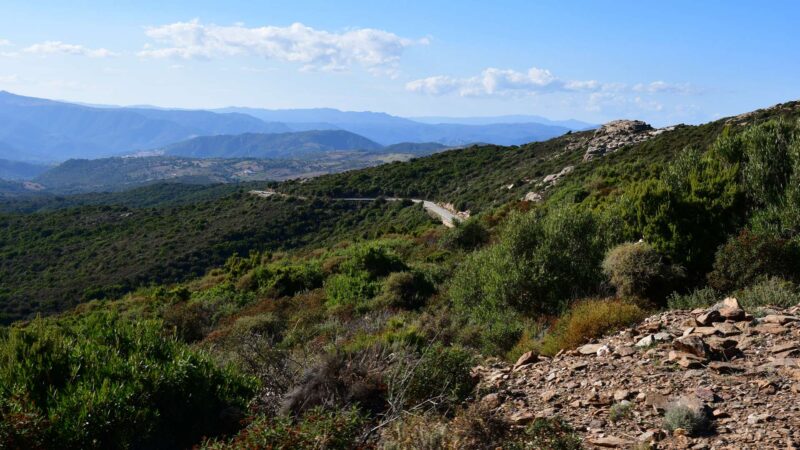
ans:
x=665 y=62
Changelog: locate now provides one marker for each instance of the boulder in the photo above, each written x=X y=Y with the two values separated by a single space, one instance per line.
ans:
x=529 y=357
x=692 y=344
x=709 y=317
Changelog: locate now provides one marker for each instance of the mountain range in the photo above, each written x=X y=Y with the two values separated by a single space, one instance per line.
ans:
x=41 y=130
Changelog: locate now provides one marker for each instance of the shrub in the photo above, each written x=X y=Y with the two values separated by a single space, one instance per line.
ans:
x=552 y=434
x=619 y=411
x=317 y=429
x=350 y=289
x=698 y=298
x=590 y=319
x=372 y=258
x=749 y=257
x=441 y=375
x=418 y=432
x=638 y=270
x=767 y=162
x=103 y=382
x=407 y=290
x=539 y=263
x=771 y=292
x=467 y=235
x=190 y=320
x=679 y=415
x=284 y=279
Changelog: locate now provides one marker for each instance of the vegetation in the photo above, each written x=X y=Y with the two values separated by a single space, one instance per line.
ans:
x=306 y=322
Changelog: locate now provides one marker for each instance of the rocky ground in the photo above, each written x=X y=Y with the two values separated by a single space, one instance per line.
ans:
x=740 y=373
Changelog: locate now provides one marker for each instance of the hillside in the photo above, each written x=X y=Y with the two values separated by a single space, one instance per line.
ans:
x=46 y=130
x=17 y=170
x=671 y=254
x=293 y=145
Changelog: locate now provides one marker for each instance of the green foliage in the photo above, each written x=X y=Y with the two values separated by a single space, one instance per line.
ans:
x=407 y=290
x=620 y=411
x=442 y=373
x=317 y=429
x=281 y=279
x=698 y=298
x=687 y=216
x=350 y=289
x=681 y=416
x=768 y=163
x=538 y=265
x=374 y=259
x=552 y=434
x=750 y=257
x=590 y=319
x=769 y=292
x=637 y=270
x=102 y=381
x=467 y=235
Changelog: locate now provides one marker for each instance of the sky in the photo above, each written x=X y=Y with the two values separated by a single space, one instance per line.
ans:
x=663 y=62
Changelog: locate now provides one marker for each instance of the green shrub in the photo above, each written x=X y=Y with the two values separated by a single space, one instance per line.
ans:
x=590 y=319
x=698 y=298
x=104 y=382
x=317 y=429
x=285 y=279
x=770 y=292
x=767 y=160
x=638 y=270
x=538 y=265
x=619 y=411
x=552 y=434
x=350 y=289
x=681 y=416
x=408 y=290
x=373 y=258
x=467 y=235
x=190 y=320
x=750 y=257
x=441 y=374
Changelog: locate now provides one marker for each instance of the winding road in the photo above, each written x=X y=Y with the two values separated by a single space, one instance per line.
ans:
x=448 y=218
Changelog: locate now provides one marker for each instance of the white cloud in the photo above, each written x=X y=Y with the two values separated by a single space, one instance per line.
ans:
x=58 y=47
x=493 y=81
x=5 y=43
x=9 y=79
x=662 y=87
x=298 y=43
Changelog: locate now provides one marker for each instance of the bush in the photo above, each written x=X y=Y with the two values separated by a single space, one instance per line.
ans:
x=619 y=411
x=681 y=416
x=590 y=319
x=317 y=429
x=284 y=279
x=418 y=432
x=350 y=289
x=538 y=265
x=467 y=235
x=637 y=270
x=750 y=257
x=771 y=292
x=372 y=258
x=552 y=434
x=699 y=298
x=103 y=382
x=191 y=321
x=440 y=375
x=407 y=290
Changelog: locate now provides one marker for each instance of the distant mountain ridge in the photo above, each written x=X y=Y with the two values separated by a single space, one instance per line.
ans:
x=279 y=145
x=33 y=129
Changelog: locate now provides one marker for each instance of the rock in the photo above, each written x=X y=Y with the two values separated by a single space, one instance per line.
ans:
x=658 y=401
x=549 y=395
x=726 y=329
x=617 y=134
x=707 y=318
x=621 y=394
x=529 y=357
x=646 y=341
x=662 y=337
x=730 y=309
x=534 y=197
x=589 y=349
x=691 y=344
x=491 y=400
x=603 y=351
x=779 y=319
x=754 y=419
x=610 y=442
x=769 y=328
x=522 y=418
x=625 y=351
x=722 y=347
x=705 y=331
x=724 y=367
x=785 y=347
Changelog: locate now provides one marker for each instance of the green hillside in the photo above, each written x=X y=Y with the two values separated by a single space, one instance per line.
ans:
x=302 y=320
